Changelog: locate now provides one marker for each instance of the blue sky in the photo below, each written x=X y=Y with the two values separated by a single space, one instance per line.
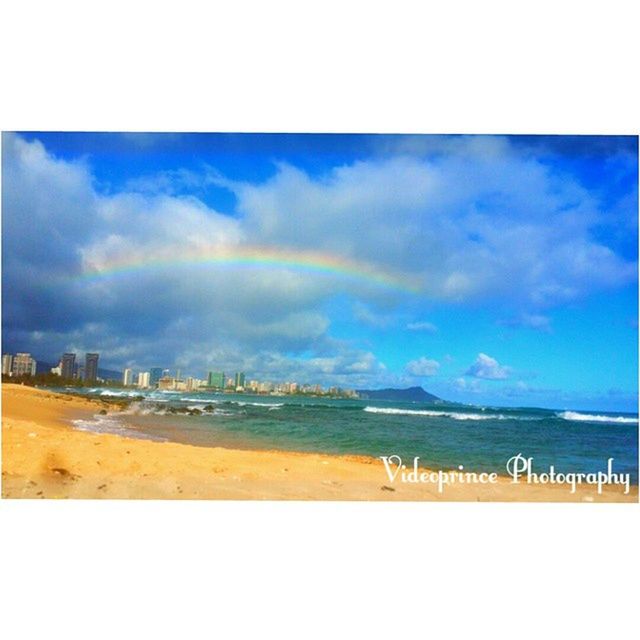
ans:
x=524 y=250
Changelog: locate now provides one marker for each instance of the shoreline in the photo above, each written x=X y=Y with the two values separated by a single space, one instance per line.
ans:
x=44 y=456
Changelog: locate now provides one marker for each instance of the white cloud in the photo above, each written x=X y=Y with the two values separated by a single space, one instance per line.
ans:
x=423 y=367
x=487 y=368
x=483 y=220
x=49 y=196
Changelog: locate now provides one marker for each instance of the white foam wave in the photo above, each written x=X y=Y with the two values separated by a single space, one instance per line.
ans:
x=575 y=416
x=141 y=409
x=269 y=405
x=109 y=424
x=120 y=394
x=454 y=415
x=145 y=409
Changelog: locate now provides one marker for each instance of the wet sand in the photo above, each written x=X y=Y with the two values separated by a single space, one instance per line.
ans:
x=43 y=456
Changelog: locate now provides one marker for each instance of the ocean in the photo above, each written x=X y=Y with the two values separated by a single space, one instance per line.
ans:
x=443 y=436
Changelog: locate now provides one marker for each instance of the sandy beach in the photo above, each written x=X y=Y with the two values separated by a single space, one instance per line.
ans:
x=43 y=456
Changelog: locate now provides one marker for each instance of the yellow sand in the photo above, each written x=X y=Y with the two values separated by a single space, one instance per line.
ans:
x=44 y=457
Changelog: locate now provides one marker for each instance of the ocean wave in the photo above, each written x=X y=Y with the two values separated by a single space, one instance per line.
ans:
x=575 y=416
x=109 y=424
x=145 y=408
x=119 y=394
x=454 y=415
x=202 y=402
x=268 y=405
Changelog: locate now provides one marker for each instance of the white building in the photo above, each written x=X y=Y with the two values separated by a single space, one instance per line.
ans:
x=144 y=379
x=127 y=378
x=192 y=384
x=167 y=383
x=7 y=361
x=23 y=365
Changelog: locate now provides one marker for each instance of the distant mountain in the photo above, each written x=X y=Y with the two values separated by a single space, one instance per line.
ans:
x=412 y=394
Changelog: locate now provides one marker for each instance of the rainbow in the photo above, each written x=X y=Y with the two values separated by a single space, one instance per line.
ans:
x=256 y=257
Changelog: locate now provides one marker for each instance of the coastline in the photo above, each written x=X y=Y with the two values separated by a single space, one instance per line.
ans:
x=43 y=456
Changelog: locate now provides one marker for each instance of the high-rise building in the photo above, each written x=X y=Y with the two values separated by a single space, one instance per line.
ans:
x=192 y=384
x=127 y=378
x=167 y=383
x=67 y=365
x=7 y=361
x=91 y=367
x=155 y=373
x=240 y=378
x=23 y=365
x=144 y=378
x=216 y=379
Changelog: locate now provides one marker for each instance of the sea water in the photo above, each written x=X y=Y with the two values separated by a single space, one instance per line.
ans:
x=444 y=436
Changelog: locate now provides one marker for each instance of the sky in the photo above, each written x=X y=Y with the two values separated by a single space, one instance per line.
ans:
x=496 y=270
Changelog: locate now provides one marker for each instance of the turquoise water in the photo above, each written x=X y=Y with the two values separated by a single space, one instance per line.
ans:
x=442 y=435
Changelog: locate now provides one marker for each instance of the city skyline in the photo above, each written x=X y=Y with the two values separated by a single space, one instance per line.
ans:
x=487 y=269
x=23 y=364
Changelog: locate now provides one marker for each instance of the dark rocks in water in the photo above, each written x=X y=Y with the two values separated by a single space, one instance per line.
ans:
x=121 y=399
x=184 y=410
x=209 y=407
x=177 y=410
x=412 y=394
